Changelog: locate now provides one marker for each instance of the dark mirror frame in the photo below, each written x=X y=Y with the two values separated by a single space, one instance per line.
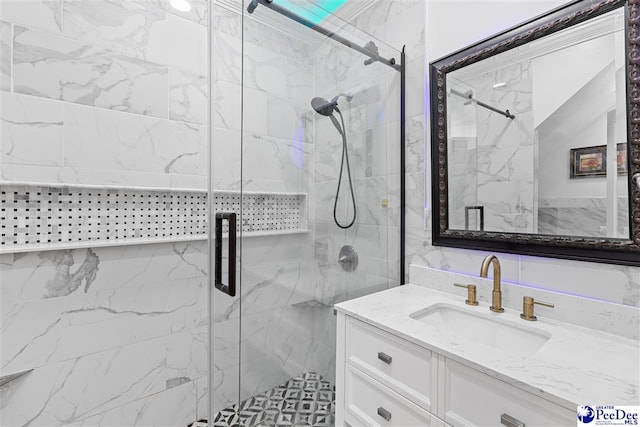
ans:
x=607 y=250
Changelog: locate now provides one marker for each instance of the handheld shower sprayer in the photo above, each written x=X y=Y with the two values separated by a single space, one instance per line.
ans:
x=326 y=108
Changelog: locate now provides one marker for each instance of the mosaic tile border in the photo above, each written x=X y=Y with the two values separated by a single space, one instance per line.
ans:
x=59 y=216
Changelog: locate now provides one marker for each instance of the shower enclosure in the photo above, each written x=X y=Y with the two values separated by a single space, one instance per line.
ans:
x=171 y=244
x=307 y=131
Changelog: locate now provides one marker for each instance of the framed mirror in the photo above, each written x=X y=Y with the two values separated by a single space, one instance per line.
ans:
x=535 y=137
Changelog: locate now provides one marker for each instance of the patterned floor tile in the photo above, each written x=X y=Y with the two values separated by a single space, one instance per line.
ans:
x=307 y=400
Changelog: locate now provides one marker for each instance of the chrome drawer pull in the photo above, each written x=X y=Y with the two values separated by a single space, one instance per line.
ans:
x=509 y=421
x=384 y=357
x=384 y=413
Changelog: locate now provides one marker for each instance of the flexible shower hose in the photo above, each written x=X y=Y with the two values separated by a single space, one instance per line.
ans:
x=345 y=158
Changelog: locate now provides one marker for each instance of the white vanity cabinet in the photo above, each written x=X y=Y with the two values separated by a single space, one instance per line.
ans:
x=383 y=380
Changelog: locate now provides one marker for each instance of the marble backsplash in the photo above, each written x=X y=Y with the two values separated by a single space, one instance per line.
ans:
x=617 y=319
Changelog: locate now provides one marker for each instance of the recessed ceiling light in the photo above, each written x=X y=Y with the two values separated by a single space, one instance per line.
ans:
x=181 y=5
x=497 y=85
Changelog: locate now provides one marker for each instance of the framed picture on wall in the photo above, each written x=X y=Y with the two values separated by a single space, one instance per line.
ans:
x=592 y=161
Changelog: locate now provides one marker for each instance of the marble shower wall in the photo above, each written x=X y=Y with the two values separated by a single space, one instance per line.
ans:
x=271 y=85
x=372 y=120
x=104 y=93
x=606 y=282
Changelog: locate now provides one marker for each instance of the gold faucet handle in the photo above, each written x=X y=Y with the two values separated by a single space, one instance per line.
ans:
x=527 y=308
x=471 y=293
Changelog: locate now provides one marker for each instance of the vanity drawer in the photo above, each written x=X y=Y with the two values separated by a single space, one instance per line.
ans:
x=368 y=403
x=471 y=398
x=404 y=367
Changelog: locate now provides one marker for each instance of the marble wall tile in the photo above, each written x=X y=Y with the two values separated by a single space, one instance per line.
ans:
x=188 y=181
x=175 y=407
x=284 y=284
x=414 y=193
x=264 y=69
x=5 y=55
x=414 y=145
x=322 y=204
x=225 y=387
x=267 y=37
x=406 y=29
x=605 y=282
x=99 y=382
x=276 y=272
x=188 y=97
x=382 y=11
x=324 y=338
x=336 y=66
x=125 y=267
x=146 y=32
x=367 y=152
x=74 y=175
x=225 y=342
x=45 y=15
x=148 y=363
x=370 y=193
x=300 y=86
x=226 y=176
x=255 y=112
x=31 y=130
x=274 y=336
x=288 y=163
x=328 y=151
x=457 y=260
x=393 y=254
x=227 y=65
x=202 y=398
x=59 y=68
x=284 y=120
x=40 y=332
x=225 y=21
x=333 y=284
x=226 y=104
x=111 y=140
x=275 y=347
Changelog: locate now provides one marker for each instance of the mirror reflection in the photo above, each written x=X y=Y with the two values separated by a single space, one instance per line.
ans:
x=537 y=136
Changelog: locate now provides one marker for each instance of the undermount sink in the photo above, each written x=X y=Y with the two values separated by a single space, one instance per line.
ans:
x=483 y=329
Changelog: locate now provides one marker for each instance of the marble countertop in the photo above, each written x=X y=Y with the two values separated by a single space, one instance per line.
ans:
x=576 y=366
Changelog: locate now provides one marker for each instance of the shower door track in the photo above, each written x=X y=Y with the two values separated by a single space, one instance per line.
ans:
x=369 y=50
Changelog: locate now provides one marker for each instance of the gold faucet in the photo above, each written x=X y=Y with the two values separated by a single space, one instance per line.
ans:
x=527 y=308
x=496 y=296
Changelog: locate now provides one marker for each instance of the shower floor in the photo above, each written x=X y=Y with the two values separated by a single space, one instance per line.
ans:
x=306 y=400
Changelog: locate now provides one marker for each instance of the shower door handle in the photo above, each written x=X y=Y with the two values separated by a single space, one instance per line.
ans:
x=229 y=289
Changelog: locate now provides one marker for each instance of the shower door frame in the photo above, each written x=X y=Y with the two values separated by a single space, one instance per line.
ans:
x=214 y=245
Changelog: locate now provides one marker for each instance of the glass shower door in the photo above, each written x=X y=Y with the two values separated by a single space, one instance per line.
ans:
x=226 y=211
x=278 y=149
